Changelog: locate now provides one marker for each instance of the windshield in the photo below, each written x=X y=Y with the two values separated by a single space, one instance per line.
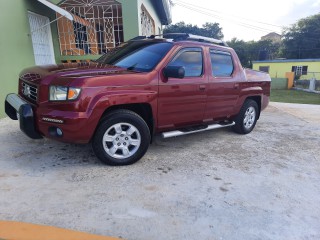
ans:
x=137 y=55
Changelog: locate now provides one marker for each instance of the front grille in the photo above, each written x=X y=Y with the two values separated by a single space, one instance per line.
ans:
x=29 y=91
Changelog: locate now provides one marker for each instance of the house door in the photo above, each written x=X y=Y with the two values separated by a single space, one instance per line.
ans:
x=41 y=39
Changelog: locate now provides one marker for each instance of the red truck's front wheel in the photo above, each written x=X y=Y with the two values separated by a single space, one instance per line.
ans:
x=122 y=138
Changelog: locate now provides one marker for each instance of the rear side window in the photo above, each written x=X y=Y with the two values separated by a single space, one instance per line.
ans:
x=222 y=64
x=191 y=60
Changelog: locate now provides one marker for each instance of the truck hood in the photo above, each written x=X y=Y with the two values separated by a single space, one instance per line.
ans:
x=70 y=70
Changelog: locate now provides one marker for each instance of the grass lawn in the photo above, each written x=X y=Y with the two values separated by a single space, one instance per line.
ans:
x=294 y=96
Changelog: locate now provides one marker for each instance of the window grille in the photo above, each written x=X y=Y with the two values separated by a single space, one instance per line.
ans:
x=300 y=70
x=101 y=29
x=147 y=23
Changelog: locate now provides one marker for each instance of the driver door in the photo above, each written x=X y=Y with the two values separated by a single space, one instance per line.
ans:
x=182 y=102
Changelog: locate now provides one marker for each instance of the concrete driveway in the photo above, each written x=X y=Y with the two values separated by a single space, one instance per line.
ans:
x=211 y=185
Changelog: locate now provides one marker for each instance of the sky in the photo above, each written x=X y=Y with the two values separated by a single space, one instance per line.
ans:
x=246 y=19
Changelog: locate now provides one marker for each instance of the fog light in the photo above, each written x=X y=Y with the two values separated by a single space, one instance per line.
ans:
x=59 y=132
x=55 y=132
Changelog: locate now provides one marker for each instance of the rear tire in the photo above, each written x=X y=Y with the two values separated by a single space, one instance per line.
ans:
x=246 y=120
x=122 y=138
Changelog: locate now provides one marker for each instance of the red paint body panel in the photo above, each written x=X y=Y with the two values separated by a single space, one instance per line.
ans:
x=175 y=103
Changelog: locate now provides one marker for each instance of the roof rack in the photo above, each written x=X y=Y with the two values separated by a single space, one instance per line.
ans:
x=182 y=37
x=186 y=36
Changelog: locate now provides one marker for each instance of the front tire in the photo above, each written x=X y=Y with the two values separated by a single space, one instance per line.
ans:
x=122 y=138
x=246 y=120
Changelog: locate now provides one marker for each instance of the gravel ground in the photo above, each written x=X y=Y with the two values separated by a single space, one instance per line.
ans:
x=210 y=185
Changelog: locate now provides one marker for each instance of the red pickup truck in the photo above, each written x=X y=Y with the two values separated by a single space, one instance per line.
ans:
x=175 y=84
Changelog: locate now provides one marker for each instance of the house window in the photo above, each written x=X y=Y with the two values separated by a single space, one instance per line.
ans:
x=147 y=23
x=81 y=37
x=300 y=70
x=264 y=69
x=100 y=39
x=100 y=27
x=118 y=34
x=222 y=64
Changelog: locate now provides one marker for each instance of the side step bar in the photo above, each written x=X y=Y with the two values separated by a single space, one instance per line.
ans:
x=177 y=133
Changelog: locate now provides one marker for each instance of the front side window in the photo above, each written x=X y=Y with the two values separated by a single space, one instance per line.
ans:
x=222 y=64
x=191 y=60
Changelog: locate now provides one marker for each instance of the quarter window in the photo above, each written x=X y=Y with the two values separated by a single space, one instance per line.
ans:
x=191 y=60
x=222 y=64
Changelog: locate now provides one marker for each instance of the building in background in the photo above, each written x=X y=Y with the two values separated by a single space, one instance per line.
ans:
x=274 y=37
x=304 y=68
x=284 y=71
x=40 y=32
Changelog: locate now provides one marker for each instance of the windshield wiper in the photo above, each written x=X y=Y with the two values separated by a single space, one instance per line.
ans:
x=132 y=67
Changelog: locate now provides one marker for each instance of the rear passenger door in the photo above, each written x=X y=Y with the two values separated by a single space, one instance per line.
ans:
x=223 y=89
x=181 y=102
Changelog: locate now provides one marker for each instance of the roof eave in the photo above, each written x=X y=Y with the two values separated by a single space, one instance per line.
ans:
x=163 y=8
x=288 y=60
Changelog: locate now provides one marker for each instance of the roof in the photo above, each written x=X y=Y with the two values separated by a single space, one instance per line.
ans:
x=163 y=8
x=177 y=37
x=288 y=60
x=272 y=34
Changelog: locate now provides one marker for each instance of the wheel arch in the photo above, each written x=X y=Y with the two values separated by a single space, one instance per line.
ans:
x=257 y=99
x=144 y=110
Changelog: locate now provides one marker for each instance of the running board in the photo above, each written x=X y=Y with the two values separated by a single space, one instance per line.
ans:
x=177 y=133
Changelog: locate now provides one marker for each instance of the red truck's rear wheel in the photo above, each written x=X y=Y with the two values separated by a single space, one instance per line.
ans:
x=247 y=117
x=122 y=138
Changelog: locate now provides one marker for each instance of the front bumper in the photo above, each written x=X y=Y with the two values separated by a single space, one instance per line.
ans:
x=14 y=107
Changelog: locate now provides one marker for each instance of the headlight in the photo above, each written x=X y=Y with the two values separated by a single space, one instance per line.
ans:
x=59 y=93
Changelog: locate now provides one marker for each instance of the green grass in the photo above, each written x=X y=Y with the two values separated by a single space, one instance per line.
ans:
x=294 y=96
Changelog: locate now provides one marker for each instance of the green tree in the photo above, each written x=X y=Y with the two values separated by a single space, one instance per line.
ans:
x=254 y=50
x=302 y=39
x=212 y=30
x=242 y=49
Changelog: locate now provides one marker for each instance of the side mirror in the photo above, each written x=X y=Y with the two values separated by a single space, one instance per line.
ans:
x=174 y=72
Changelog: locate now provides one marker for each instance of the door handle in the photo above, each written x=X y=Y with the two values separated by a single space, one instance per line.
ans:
x=202 y=87
x=236 y=85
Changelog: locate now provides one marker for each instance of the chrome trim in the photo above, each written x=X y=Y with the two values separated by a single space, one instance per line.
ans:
x=15 y=101
x=177 y=133
x=29 y=91
x=52 y=120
